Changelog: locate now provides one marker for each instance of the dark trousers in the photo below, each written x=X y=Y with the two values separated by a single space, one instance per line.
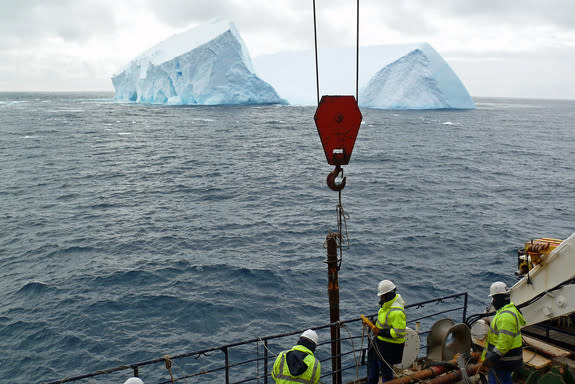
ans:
x=499 y=376
x=376 y=367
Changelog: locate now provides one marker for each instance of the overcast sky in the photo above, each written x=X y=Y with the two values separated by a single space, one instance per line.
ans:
x=521 y=48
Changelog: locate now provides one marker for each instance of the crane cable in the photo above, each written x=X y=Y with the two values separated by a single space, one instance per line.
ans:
x=356 y=55
x=341 y=214
x=316 y=59
x=343 y=237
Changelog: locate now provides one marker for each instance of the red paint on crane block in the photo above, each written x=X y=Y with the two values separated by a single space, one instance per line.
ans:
x=337 y=119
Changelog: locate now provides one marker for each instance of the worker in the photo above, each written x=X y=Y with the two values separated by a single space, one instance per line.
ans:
x=386 y=348
x=299 y=365
x=502 y=354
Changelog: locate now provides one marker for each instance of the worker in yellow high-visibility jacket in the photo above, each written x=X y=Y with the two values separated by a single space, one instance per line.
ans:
x=503 y=352
x=390 y=331
x=299 y=365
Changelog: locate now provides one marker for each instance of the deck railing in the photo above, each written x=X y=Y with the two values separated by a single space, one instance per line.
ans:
x=251 y=361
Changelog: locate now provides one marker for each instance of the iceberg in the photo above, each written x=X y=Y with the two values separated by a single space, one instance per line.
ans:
x=421 y=79
x=206 y=65
x=394 y=76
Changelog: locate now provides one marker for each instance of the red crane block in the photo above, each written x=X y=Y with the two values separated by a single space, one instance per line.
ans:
x=337 y=119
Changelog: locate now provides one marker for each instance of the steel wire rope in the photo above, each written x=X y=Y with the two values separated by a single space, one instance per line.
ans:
x=373 y=345
x=316 y=58
x=342 y=218
x=183 y=373
x=528 y=348
x=463 y=362
x=342 y=325
x=363 y=336
x=341 y=215
x=169 y=367
x=266 y=347
x=356 y=58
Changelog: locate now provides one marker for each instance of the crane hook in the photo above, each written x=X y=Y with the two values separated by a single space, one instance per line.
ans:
x=331 y=179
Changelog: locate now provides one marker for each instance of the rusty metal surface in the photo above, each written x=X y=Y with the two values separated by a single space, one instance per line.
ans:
x=333 y=293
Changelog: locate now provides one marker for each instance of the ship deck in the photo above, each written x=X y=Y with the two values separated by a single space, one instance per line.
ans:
x=560 y=333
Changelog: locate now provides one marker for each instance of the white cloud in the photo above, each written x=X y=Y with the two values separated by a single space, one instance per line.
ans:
x=65 y=44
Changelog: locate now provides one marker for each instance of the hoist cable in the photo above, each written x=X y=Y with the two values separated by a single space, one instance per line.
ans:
x=357 y=56
x=316 y=59
x=340 y=230
x=343 y=236
x=341 y=219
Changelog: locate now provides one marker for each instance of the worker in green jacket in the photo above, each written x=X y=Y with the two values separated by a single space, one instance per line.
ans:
x=503 y=352
x=298 y=365
x=390 y=330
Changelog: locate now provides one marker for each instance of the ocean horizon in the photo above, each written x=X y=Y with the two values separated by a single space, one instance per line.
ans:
x=130 y=231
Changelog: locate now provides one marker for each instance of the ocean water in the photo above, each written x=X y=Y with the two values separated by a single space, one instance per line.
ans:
x=128 y=231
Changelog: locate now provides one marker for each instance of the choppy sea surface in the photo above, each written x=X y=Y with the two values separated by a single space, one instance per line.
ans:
x=132 y=231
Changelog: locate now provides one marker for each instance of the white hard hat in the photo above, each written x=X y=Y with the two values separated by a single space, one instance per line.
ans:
x=384 y=287
x=310 y=334
x=498 y=288
x=134 y=380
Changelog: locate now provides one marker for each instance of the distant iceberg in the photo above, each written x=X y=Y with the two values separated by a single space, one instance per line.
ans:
x=206 y=65
x=398 y=76
x=420 y=79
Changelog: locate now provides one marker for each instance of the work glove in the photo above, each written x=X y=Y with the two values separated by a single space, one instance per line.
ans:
x=385 y=332
x=368 y=322
x=491 y=358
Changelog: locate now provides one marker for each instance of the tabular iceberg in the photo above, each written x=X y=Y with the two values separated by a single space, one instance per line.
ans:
x=421 y=79
x=206 y=65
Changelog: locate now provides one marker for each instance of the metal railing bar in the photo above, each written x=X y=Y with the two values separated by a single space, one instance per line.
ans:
x=242 y=362
x=437 y=301
x=201 y=373
x=438 y=313
x=226 y=348
x=339 y=370
x=265 y=362
x=247 y=380
x=227 y=357
x=93 y=374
